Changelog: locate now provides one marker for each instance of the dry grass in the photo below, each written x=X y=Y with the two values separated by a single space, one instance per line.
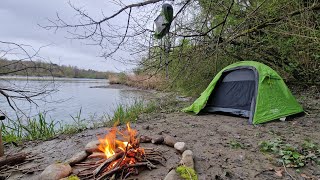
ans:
x=114 y=79
x=139 y=81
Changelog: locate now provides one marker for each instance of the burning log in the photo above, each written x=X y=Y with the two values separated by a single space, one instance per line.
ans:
x=127 y=162
x=119 y=158
x=107 y=162
x=97 y=155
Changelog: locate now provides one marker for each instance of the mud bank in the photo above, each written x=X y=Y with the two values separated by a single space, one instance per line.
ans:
x=208 y=136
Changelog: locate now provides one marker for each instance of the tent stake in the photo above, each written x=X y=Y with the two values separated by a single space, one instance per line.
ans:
x=1 y=143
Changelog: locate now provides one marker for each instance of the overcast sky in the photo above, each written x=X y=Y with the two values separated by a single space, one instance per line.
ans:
x=19 y=21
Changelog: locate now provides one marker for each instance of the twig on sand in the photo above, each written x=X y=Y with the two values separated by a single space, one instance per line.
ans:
x=285 y=169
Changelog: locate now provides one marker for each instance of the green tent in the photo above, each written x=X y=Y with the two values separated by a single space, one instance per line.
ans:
x=249 y=89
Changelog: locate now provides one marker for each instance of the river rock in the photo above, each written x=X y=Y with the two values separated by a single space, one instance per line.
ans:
x=157 y=140
x=172 y=175
x=56 y=171
x=92 y=146
x=187 y=159
x=169 y=140
x=180 y=146
x=80 y=156
x=146 y=127
x=145 y=139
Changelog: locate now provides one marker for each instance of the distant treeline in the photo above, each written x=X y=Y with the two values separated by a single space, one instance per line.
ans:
x=40 y=68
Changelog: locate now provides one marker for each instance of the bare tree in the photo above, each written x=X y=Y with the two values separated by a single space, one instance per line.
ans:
x=11 y=91
x=216 y=30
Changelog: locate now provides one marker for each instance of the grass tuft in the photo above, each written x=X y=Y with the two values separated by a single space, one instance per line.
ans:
x=79 y=124
x=130 y=113
x=33 y=128
x=42 y=128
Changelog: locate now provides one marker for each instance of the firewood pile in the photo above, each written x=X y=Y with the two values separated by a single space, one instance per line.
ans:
x=117 y=156
x=119 y=166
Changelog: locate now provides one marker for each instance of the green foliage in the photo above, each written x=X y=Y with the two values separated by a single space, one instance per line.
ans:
x=289 y=155
x=234 y=144
x=130 y=113
x=42 y=128
x=40 y=68
x=122 y=78
x=276 y=33
x=73 y=177
x=187 y=173
x=78 y=125
x=312 y=151
x=270 y=146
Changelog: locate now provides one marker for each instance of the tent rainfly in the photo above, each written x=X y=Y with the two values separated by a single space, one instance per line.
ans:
x=249 y=89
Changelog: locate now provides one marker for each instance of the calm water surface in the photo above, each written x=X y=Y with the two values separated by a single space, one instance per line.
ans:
x=73 y=95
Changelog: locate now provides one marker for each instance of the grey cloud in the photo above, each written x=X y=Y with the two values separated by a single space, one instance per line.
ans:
x=19 y=21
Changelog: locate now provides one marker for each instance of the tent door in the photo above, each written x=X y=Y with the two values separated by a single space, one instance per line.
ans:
x=234 y=93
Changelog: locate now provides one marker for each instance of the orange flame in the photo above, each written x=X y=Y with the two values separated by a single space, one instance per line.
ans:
x=110 y=144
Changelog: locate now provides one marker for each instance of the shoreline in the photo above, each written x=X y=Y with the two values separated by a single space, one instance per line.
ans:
x=220 y=143
x=47 y=78
x=115 y=86
x=129 y=88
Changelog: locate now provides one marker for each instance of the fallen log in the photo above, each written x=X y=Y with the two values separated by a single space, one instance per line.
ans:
x=13 y=159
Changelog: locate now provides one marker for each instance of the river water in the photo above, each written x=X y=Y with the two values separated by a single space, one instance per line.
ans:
x=72 y=96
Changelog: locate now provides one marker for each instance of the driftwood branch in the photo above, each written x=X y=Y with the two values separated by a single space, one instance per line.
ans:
x=114 y=170
x=13 y=159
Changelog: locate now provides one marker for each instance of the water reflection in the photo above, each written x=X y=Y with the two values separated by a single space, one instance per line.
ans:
x=73 y=95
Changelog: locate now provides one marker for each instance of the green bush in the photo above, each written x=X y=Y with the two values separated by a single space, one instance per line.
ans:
x=289 y=155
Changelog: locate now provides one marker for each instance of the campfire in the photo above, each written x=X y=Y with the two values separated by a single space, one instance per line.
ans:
x=119 y=156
